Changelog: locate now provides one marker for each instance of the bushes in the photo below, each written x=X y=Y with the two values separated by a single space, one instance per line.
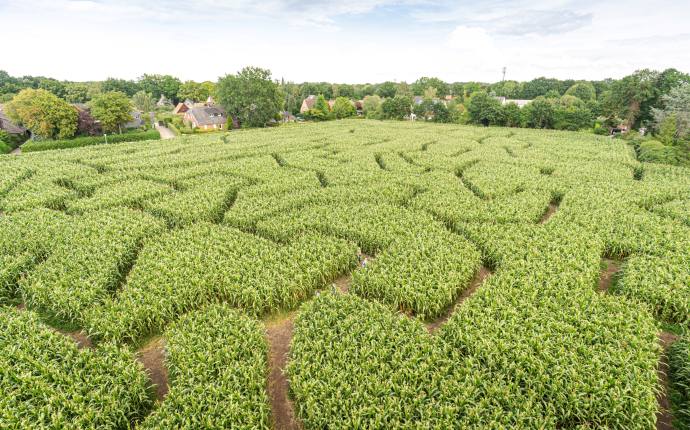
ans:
x=34 y=146
x=653 y=151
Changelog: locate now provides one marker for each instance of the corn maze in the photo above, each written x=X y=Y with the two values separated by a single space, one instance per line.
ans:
x=513 y=279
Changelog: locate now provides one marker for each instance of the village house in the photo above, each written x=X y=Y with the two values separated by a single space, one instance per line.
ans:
x=9 y=126
x=136 y=122
x=519 y=102
x=308 y=103
x=206 y=118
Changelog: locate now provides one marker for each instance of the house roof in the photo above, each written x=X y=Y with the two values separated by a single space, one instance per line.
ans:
x=181 y=108
x=9 y=126
x=310 y=101
x=207 y=115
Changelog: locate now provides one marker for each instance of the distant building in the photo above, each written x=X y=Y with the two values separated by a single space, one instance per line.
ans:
x=136 y=122
x=181 y=109
x=206 y=118
x=9 y=126
x=163 y=102
x=519 y=102
x=308 y=103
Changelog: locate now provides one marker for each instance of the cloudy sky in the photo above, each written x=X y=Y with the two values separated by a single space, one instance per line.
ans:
x=352 y=41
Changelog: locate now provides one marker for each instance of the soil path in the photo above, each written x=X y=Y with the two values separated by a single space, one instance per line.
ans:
x=16 y=151
x=664 y=418
x=279 y=335
x=477 y=281
x=607 y=274
x=553 y=207
x=165 y=132
x=152 y=357
x=79 y=337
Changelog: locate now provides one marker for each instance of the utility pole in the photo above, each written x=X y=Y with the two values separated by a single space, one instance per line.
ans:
x=504 y=74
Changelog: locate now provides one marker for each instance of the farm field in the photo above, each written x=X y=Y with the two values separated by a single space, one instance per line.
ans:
x=350 y=274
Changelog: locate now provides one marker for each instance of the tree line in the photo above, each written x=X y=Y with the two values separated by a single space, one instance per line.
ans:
x=646 y=98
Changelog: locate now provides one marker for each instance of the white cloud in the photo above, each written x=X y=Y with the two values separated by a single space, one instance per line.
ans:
x=356 y=41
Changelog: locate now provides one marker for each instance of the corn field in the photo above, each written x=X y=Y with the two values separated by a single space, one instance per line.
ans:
x=200 y=238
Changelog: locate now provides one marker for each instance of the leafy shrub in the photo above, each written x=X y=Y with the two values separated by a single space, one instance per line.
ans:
x=47 y=145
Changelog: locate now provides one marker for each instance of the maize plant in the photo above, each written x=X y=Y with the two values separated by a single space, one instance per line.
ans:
x=46 y=382
x=260 y=220
x=679 y=375
x=216 y=360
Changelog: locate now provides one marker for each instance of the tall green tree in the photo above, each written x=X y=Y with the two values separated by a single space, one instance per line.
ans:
x=585 y=91
x=343 y=108
x=123 y=85
x=250 y=96
x=386 y=89
x=43 y=113
x=539 y=113
x=675 y=114
x=397 y=107
x=421 y=84
x=484 y=109
x=144 y=101
x=161 y=85
x=370 y=106
x=632 y=95
x=112 y=109
x=196 y=91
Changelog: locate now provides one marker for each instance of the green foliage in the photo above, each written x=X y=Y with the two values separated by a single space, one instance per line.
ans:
x=250 y=95
x=260 y=220
x=216 y=359
x=539 y=113
x=511 y=115
x=423 y=83
x=47 y=383
x=43 y=113
x=584 y=91
x=286 y=275
x=343 y=108
x=679 y=375
x=46 y=145
x=160 y=85
x=370 y=106
x=121 y=85
x=484 y=109
x=144 y=101
x=195 y=91
x=88 y=263
x=112 y=109
x=398 y=107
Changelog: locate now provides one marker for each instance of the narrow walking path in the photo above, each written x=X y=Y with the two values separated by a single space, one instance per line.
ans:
x=476 y=282
x=608 y=274
x=553 y=207
x=152 y=357
x=165 y=132
x=664 y=418
x=16 y=151
x=279 y=335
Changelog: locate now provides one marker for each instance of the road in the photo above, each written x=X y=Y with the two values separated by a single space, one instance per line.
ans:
x=165 y=132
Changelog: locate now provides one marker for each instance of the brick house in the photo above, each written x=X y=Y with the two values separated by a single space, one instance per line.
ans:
x=206 y=118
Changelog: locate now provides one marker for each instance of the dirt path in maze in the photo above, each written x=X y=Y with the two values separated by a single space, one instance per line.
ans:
x=608 y=274
x=279 y=335
x=664 y=417
x=476 y=282
x=152 y=357
x=553 y=207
